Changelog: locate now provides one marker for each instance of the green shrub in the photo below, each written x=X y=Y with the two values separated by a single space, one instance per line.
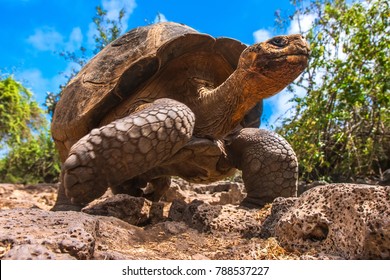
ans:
x=341 y=127
x=31 y=161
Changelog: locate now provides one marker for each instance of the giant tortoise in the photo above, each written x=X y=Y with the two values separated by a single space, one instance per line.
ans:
x=165 y=100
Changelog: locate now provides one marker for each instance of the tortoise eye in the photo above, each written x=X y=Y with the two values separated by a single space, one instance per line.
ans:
x=279 y=42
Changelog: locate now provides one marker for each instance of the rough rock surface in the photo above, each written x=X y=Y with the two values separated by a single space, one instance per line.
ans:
x=224 y=218
x=32 y=233
x=335 y=221
x=345 y=220
x=39 y=234
x=27 y=196
x=223 y=192
x=136 y=211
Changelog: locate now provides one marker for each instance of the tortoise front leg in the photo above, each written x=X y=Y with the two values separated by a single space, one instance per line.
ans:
x=268 y=163
x=115 y=153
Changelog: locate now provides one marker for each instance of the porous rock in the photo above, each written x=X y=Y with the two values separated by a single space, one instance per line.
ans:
x=346 y=220
x=209 y=218
x=337 y=221
x=219 y=193
x=38 y=234
x=133 y=210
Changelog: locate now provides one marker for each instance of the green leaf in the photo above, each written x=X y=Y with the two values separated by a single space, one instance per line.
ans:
x=341 y=126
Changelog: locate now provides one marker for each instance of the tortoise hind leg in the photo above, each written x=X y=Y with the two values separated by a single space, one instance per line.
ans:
x=123 y=149
x=268 y=163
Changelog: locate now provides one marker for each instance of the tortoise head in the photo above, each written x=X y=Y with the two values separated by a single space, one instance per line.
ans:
x=276 y=62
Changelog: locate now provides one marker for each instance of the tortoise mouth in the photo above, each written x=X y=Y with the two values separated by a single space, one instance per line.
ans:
x=292 y=58
x=293 y=54
x=280 y=63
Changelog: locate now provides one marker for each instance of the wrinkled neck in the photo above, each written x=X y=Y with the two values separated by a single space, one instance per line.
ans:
x=224 y=107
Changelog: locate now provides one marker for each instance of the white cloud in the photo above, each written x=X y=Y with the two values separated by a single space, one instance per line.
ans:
x=301 y=23
x=39 y=85
x=336 y=51
x=49 y=39
x=281 y=106
x=62 y=77
x=75 y=39
x=46 y=39
x=113 y=8
x=160 y=18
x=92 y=32
x=262 y=35
x=34 y=80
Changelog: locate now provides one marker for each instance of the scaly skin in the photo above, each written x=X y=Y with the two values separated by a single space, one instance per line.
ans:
x=268 y=163
x=141 y=148
x=123 y=149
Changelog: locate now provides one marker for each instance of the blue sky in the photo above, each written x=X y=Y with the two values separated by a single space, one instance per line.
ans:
x=32 y=32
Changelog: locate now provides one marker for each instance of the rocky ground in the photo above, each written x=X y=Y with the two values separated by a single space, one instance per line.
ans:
x=333 y=221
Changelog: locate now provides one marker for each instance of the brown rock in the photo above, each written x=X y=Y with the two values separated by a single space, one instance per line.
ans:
x=218 y=193
x=209 y=218
x=197 y=214
x=280 y=206
x=133 y=210
x=338 y=221
x=38 y=234
x=347 y=220
x=20 y=196
x=175 y=192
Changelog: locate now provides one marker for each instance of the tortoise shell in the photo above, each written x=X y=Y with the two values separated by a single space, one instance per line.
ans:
x=145 y=64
